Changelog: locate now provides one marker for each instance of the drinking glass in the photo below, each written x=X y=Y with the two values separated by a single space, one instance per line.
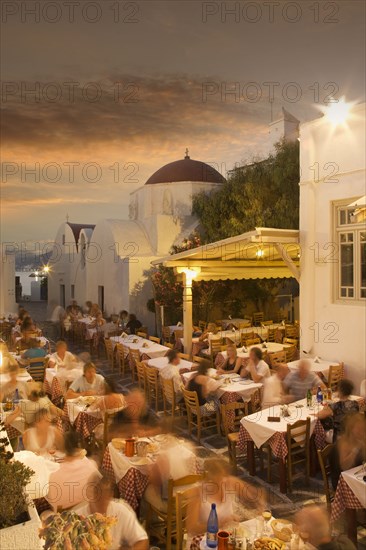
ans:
x=267 y=516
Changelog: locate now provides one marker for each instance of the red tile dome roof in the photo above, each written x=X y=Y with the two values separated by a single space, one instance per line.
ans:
x=186 y=170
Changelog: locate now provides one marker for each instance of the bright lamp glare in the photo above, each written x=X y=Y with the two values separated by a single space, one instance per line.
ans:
x=337 y=113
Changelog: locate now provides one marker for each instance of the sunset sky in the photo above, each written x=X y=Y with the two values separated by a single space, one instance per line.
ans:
x=146 y=86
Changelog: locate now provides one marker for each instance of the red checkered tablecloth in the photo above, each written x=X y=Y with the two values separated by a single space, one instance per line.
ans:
x=55 y=390
x=344 y=498
x=86 y=423
x=278 y=441
x=132 y=486
x=12 y=432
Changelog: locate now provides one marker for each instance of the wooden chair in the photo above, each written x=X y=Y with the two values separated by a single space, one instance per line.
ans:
x=298 y=444
x=291 y=354
x=184 y=356
x=166 y=526
x=238 y=409
x=165 y=332
x=178 y=334
x=183 y=500
x=37 y=367
x=334 y=376
x=121 y=358
x=292 y=331
x=291 y=341
x=246 y=336
x=109 y=351
x=169 y=397
x=135 y=357
x=141 y=376
x=215 y=348
x=152 y=385
x=198 y=359
x=252 y=342
x=323 y=457
x=277 y=358
x=154 y=339
x=194 y=416
x=271 y=335
x=255 y=401
x=168 y=345
x=258 y=318
x=141 y=333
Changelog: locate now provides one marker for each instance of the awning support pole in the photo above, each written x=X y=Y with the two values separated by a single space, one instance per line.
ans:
x=187 y=313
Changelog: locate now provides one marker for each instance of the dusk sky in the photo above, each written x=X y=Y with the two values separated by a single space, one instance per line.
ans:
x=146 y=86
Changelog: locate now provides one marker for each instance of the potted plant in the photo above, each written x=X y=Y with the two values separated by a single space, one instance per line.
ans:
x=19 y=521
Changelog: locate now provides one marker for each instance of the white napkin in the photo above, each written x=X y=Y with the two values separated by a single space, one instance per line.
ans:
x=124 y=335
x=316 y=359
x=179 y=324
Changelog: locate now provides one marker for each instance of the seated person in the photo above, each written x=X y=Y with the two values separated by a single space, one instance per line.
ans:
x=171 y=372
x=90 y=383
x=273 y=391
x=28 y=327
x=123 y=318
x=43 y=435
x=73 y=310
x=133 y=324
x=136 y=418
x=127 y=532
x=28 y=408
x=298 y=382
x=99 y=321
x=232 y=362
x=339 y=410
x=314 y=520
x=257 y=369
x=8 y=389
x=111 y=402
x=62 y=357
x=68 y=485
x=203 y=385
x=211 y=329
x=33 y=352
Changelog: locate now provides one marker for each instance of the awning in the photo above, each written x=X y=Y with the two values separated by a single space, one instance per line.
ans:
x=260 y=254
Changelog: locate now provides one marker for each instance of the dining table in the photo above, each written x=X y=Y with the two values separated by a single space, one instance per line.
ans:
x=83 y=419
x=243 y=352
x=257 y=429
x=317 y=365
x=161 y=362
x=131 y=474
x=349 y=497
x=147 y=348
x=57 y=379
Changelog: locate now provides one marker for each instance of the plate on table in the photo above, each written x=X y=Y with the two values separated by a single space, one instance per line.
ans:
x=245 y=382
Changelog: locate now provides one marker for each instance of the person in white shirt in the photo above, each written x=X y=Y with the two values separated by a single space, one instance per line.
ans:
x=127 y=531
x=171 y=371
x=257 y=369
x=62 y=357
x=90 y=383
x=273 y=390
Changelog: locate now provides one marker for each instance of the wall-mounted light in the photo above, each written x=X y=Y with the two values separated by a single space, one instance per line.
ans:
x=337 y=112
x=260 y=253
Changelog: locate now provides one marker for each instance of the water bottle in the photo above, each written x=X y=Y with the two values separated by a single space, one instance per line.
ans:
x=16 y=398
x=319 y=395
x=212 y=528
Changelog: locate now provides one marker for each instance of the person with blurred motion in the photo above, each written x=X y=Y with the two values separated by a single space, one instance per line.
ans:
x=62 y=357
x=273 y=390
x=127 y=532
x=42 y=435
x=232 y=362
x=90 y=383
x=314 y=522
x=136 y=418
x=133 y=324
x=56 y=319
x=297 y=383
x=98 y=321
x=350 y=449
x=28 y=408
x=339 y=410
x=171 y=372
x=8 y=389
x=235 y=499
x=257 y=368
x=34 y=351
x=68 y=485
x=205 y=387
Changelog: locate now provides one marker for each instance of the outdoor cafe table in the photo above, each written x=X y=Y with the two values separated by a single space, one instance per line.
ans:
x=243 y=353
x=147 y=348
x=161 y=362
x=318 y=366
x=55 y=381
x=83 y=420
x=132 y=474
x=256 y=430
x=350 y=496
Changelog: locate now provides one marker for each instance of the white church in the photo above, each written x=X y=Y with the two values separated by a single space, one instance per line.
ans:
x=107 y=262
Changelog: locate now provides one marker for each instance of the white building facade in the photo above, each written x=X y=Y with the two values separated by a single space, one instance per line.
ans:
x=333 y=241
x=107 y=263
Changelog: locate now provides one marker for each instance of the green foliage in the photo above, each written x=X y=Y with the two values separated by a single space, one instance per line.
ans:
x=14 y=477
x=264 y=194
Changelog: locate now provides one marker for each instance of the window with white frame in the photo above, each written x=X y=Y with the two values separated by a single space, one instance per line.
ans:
x=351 y=267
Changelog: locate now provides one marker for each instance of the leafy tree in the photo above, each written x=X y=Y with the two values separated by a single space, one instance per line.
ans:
x=263 y=194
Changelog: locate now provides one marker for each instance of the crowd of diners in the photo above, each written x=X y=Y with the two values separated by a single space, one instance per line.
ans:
x=235 y=499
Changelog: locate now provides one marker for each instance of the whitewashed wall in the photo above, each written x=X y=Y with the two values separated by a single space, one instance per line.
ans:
x=7 y=286
x=335 y=158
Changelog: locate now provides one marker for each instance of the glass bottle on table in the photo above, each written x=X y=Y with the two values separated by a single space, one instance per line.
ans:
x=309 y=399
x=319 y=396
x=212 y=528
